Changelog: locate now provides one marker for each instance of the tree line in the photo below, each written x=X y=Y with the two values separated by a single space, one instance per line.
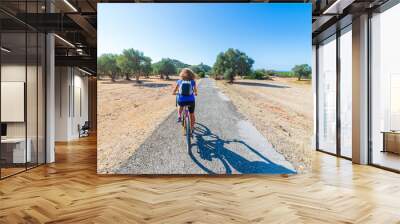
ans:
x=133 y=63
x=234 y=62
x=229 y=64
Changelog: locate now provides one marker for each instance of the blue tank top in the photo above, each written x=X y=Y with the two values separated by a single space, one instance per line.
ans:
x=186 y=98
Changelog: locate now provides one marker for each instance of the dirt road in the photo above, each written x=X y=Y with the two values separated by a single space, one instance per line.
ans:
x=224 y=142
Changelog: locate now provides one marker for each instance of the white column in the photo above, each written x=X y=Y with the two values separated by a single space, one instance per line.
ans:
x=50 y=98
x=360 y=90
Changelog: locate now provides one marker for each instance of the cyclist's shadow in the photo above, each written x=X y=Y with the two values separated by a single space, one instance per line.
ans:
x=209 y=146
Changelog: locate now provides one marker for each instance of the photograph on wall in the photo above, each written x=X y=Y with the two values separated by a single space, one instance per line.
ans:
x=204 y=88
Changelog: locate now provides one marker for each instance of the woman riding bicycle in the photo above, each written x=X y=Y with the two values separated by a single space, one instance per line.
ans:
x=186 y=88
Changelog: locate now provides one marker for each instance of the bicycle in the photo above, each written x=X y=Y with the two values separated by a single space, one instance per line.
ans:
x=186 y=124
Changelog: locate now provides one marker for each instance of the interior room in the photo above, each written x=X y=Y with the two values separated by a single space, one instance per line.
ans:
x=42 y=77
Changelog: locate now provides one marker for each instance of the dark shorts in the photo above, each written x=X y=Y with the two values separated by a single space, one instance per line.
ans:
x=190 y=104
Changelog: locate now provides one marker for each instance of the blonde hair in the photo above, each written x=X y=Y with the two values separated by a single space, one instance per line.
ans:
x=187 y=74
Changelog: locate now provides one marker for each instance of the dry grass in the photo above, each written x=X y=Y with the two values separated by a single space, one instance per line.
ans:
x=283 y=115
x=127 y=114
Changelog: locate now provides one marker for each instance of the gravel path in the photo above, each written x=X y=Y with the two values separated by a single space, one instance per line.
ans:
x=223 y=143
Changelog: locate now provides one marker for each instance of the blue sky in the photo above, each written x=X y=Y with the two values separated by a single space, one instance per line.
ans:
x=276 y=36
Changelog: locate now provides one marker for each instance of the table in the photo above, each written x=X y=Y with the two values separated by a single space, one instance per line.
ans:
x=17 y=150
x=391 y=141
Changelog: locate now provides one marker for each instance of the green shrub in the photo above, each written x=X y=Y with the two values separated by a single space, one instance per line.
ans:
x=284 y=74
x=257 y=74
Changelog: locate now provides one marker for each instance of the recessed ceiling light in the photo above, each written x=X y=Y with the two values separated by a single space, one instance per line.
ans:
x=64 y=40
x=70 y=5
x=86 y=72
x=338 y=6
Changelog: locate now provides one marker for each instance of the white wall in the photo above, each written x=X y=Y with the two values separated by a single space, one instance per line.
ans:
x=33 y=126
x=81 y=84
x=12 y=73
x=62 y=82
x=70 y=84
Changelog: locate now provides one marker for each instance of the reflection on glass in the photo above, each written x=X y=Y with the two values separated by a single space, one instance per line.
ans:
x=327 y=96
x=346 y=92
x=386 y=88
x=31 y=100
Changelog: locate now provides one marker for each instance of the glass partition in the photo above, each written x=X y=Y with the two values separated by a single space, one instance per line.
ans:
x=346 y=92
x=327 y=95
x=22 y=78
x=13 y=94
x=385 y=89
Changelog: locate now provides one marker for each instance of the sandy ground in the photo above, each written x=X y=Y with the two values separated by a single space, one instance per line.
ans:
x=282 y=110
x=127 y=114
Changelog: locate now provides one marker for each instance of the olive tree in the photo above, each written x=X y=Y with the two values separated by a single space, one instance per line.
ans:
x=166 y=67
x=303 y=70
x=107 y=65
x=231 y=63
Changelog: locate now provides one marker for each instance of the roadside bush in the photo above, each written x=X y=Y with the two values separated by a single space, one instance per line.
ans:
x=284 y=74
x=259 y=74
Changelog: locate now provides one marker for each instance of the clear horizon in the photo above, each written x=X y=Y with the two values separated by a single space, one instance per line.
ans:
x=277 y=36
